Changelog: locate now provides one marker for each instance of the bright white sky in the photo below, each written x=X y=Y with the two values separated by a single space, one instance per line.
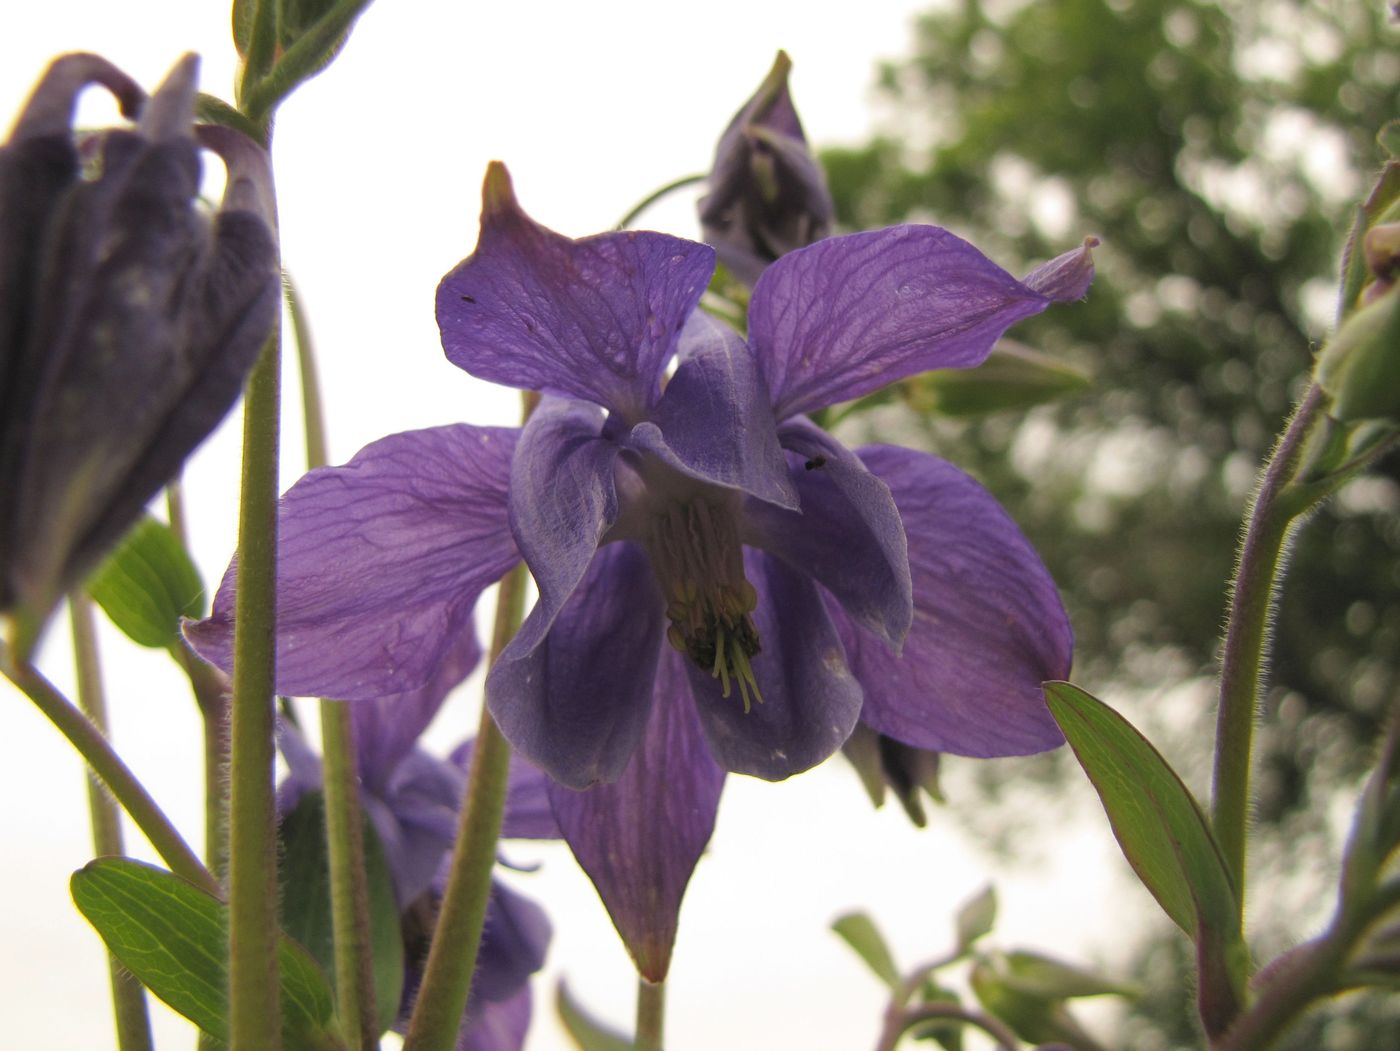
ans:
x=379 y=166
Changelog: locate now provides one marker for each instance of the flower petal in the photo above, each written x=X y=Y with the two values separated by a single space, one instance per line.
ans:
x=988 y=627
x=562 y=501
x=499 y=1026
x=848 y=535
x=714 y=422
x=577 y=703
x=387 y=728
x=514 y=941
x=640 y=838
x=595 y=319
x=810 y=698
x=1066 y=277
x=528 y=814
x=849 y=315
x=416 y=818
x=380 y=563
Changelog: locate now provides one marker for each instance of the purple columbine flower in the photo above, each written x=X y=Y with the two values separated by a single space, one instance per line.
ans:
x=413 y=800
x=722 y=585
x=768 y=195
x=128 y=317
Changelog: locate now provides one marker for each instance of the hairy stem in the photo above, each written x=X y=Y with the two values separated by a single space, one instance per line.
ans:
x=104 y=761
x=1246 y=640
x=345 y=842
x=254 y=1014
x=345 y=847
x=128 y=996
x=442 y=998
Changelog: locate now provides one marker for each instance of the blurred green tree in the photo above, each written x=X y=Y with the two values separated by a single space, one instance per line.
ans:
x=1218 y=149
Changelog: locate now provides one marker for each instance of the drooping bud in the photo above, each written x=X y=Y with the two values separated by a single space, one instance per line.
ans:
x=129 y=318
x=767 y=193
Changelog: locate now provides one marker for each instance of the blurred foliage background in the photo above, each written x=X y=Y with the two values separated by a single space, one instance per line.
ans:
x=1218 y=149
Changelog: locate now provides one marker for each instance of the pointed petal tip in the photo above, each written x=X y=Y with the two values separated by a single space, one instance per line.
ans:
x=170 y=112
x=1067 y=277
x=497 y=191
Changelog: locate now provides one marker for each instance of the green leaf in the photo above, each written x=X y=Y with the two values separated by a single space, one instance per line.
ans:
x=977 y=916
x=1053 y=979
x=147 y=584
x=1162 y=830
x=588 y=1033
x=306 y=900
x=1166 y=838
x=1012 y=377
x=1389 y=138
x=861 y=934
x=173 y=937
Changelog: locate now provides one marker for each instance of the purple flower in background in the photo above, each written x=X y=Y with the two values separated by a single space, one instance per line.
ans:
x=767 y=195
x=128 y=317
x=722 y=585
x=413 y=800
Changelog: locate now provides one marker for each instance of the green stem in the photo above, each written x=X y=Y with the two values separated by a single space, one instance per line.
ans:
x=345 y=845
x=442 y=998
x=254 y=1015
x=211 y=692
x=312 y=414
x=128 y=996
x=1251 y=604
x=899 y=1022
x=104 y=761
x=262 y=49
x=312 y=50
x=651 y=198
x=651 y=1015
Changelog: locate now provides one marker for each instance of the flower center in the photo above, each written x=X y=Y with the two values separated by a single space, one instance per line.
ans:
x=697 y=558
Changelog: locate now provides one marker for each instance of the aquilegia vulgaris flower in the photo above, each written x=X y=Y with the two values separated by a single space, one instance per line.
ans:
x=767 y=194
x=722 y=585
x=128 y=317
x=412 y=799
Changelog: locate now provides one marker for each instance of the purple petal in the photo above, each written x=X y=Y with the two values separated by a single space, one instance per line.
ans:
x=416 y=818
x=595 y=319
x=497 y=1026
x=577 y=704
x=714 y=422
x=640 y=838
x=848 y=535
x=528 y=814
x=1066 y=277
x=988 y=628
x=514 y=941
x=380 y=563
x=849 y=315
x=810 y=698
x=562 y=501
x=387 y=728
x=303 y=767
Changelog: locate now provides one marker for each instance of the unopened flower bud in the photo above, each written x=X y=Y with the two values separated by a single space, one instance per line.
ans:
x=129 y=317
x=767 y=193
x=1360 y=366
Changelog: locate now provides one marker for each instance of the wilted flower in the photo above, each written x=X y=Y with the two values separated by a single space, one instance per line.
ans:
x=798 y=584
x=413 y=800
x=767 y=192
x=128 y=318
